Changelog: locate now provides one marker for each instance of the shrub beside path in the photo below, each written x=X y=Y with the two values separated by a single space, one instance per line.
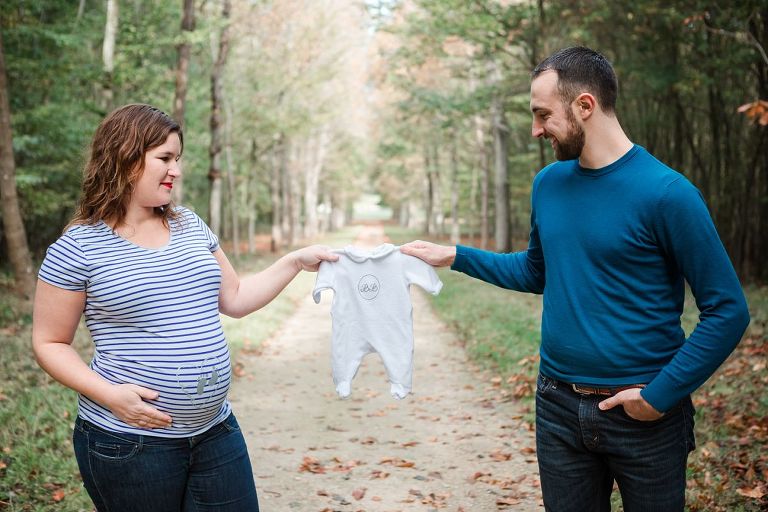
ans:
x=452 y=445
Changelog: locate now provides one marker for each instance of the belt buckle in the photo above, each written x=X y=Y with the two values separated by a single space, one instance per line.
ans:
x=578 y=389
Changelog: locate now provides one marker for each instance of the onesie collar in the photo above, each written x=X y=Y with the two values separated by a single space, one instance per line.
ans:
x=359 y=255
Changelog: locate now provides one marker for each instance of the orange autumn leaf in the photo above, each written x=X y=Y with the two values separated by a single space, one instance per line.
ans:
x=500 y=456
x=756 y=492
x=358 y=494
x=756 y=110
x=57 y=495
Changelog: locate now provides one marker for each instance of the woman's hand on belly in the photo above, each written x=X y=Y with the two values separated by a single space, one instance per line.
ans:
x=126 y=401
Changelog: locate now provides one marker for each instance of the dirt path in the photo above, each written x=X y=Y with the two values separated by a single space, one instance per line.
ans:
x=449 y=446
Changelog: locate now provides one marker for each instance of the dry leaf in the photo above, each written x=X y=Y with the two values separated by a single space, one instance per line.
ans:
x=500 y=456
x=358 y=494
x=756 y=492
x=58 y=495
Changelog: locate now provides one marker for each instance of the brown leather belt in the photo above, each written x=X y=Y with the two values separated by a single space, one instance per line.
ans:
x=586 y=390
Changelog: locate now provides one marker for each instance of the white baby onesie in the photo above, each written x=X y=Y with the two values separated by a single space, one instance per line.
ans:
x=372 y=311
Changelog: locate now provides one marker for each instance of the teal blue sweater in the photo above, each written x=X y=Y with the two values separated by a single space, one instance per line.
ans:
x=611 y=249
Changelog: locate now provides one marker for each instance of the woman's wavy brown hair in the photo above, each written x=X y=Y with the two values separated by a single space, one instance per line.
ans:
x=116 y=162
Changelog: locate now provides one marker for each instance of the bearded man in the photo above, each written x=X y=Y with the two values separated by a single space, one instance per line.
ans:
x=615 y=234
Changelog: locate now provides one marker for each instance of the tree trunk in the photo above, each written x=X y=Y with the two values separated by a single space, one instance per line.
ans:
x=13 y=224
x=80 y=10
x=501 y=175
x=285 y=175
x=317 y=146
x=437 y=192
x=108 y=56
x=429 y=197
x=182 y=76
x=277 y=164
x=485 y=196
x=294 y=190
x=217 y=97
x=231 y=184
x=325 y=213
x=338 y=214
x=455 y=228
x=485 y=172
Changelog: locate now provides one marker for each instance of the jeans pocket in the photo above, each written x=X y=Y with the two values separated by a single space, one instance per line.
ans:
x=231 y=423
x=113 y=448
x=544 y=384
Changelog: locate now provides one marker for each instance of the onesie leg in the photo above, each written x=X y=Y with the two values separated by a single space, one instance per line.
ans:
x=397 y=355
x=347 y=354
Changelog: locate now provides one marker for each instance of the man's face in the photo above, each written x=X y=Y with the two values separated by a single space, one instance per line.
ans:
x=554 y=120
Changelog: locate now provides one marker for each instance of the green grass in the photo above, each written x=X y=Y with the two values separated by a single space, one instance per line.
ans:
x=501 y=334
x=37 y=463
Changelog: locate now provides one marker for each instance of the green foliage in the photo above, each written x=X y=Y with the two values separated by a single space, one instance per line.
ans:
x=684 y=69
x=36 y=462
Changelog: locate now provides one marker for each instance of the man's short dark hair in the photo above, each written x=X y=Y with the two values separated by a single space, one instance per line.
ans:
x=581 y=69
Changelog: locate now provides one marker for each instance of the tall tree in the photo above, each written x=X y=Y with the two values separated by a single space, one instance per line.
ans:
x=276 y=185
x=501 y=175
x=108 y=55
x=217 y=104
x=182 y=78
x=13 y=224
x=317 y=147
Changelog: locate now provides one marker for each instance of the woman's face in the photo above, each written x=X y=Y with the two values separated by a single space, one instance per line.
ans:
x=161 y=169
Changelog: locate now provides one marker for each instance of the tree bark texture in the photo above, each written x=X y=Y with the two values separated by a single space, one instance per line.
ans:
x=501 y=175
x=182 y=78
x=108 y=56
x=13 y=224
x=217 y=100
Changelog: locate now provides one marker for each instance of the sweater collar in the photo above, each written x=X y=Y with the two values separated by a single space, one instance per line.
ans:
x=602 y=171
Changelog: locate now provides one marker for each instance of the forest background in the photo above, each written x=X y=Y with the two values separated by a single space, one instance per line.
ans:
x=293 y=109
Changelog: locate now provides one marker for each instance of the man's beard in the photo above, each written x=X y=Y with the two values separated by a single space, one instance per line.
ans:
x=571 y=146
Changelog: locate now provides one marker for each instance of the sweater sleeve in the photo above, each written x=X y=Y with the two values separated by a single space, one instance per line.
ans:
x=690 y=241
x=522 y=271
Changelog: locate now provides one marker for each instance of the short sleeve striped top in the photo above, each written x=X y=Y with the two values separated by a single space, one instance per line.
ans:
x=153 y=315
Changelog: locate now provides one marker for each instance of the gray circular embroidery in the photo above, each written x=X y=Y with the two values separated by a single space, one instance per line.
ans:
x=368 y=287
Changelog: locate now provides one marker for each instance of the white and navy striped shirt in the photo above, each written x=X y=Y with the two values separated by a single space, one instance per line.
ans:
x=154 y=317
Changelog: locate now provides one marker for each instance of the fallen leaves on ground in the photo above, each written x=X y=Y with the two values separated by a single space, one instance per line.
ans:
x=397 y=462
x=313 y=465
x=432 y=499
x=500 y=456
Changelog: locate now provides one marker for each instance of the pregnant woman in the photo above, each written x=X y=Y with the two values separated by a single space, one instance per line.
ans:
x=154 y=431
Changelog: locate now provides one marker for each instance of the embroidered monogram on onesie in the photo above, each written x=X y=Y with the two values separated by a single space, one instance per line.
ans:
x=372 y=311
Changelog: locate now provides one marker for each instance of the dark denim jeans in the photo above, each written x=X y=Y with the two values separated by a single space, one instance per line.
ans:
x=582 y=450
x=126 y=472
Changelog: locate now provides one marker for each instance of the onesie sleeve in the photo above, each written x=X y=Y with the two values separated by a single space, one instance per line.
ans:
x=65 y=265
x=422 y=274
x=325 y=278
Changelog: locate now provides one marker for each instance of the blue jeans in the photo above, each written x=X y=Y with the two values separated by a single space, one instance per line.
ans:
x=582 y=450
x=127 y=472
